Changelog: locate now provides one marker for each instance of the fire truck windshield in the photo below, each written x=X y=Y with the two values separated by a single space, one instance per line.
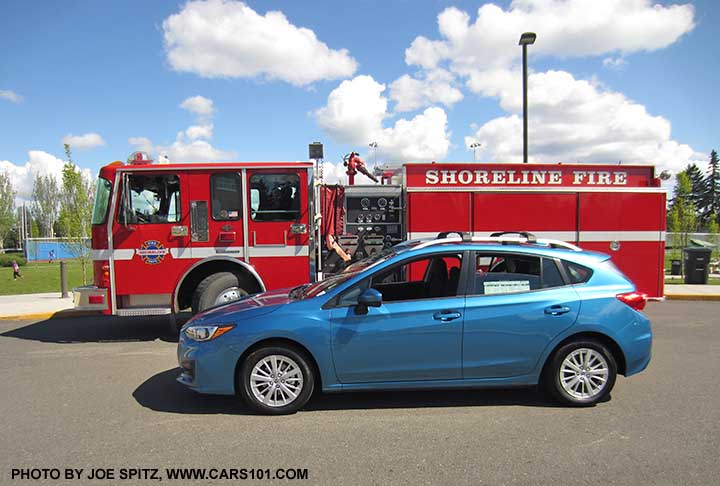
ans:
x=102 y=197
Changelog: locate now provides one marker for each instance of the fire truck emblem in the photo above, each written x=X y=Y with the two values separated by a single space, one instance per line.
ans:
x=152 y=252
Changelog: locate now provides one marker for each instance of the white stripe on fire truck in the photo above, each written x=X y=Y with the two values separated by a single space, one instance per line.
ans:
x=184 y=253
x=588 y=236
x=622 y=236
x=278 y=251
x=100 y=254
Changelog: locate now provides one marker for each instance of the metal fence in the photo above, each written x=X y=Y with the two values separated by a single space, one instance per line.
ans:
x=680 y=240
x=61 y=248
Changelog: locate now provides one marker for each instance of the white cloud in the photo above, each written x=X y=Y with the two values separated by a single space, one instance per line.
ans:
x=199 y=105
x=354 y=111
x=354 y=115
x=192 y=144
x=83 y=142
x=566 y=28
x=614 y=62
x=485 y=52
x=199 y=131
x=6 y=94
x=193 y=151
x=573 y=120
x=570 y=119
x=225 y=38
x=142 y=144
x=22 y=177
x=183 y=149
x=434 y=86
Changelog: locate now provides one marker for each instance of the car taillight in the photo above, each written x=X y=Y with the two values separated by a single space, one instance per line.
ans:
x=636 y=300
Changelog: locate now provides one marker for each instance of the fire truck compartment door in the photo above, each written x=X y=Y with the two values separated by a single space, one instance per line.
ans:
x=216 y=212
x=277 y=224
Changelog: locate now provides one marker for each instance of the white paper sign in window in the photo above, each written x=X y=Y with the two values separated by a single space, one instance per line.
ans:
x=507 y=287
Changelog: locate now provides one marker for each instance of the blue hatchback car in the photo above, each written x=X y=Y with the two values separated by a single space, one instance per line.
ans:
x=439 y=314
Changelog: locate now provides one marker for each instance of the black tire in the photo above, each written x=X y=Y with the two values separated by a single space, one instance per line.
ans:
x=303 y=364
x=173 y=325
x=587 y=382
x=211 y=287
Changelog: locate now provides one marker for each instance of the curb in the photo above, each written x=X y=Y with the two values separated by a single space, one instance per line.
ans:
x=708 y=297
x=62 y=314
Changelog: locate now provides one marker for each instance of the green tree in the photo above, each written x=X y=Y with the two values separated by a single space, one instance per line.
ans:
x=682 y=209
x=7 y=207
x=711 y=192
x=45 y=203
x=697 y=192
x=76 y=203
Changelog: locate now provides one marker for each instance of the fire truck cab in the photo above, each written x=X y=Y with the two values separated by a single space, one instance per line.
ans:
x=190 y=236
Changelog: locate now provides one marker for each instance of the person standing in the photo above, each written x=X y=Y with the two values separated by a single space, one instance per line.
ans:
x=16 y=270
x=51 y=257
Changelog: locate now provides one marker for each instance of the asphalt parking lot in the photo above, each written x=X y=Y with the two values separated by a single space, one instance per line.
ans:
x=101 y=393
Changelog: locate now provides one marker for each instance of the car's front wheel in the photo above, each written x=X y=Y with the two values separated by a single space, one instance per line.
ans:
x=581 y=373
x=276 y=380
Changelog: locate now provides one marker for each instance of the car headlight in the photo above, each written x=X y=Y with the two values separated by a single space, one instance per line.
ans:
x=207 y=333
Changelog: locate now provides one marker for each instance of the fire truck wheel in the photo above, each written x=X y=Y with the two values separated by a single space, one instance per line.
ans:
x=216 y=289
x=580 y=373
x=276 y=380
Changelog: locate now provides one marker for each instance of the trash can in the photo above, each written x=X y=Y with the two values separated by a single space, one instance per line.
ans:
x=697 y=264
x=675 y=267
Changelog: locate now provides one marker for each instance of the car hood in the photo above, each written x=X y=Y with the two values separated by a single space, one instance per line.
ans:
x=249 y=306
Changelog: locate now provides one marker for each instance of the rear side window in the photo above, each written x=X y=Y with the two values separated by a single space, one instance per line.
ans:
x=577 y=273
x=275 y=197
x=226 y=196
x=551 y=276
x=504 y=273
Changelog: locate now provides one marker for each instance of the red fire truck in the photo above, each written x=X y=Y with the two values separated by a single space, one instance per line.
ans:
x=170 y=237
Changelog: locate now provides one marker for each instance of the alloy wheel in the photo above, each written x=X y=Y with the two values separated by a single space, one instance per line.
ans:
x=276 y=380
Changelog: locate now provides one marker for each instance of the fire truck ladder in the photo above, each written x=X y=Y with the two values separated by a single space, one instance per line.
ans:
x=502 y=238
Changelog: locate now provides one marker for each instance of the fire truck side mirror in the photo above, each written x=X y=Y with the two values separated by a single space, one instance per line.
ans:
x=125 y=206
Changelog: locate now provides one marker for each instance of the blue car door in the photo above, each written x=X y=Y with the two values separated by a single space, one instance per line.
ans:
x=513 y=314
x=415 y=335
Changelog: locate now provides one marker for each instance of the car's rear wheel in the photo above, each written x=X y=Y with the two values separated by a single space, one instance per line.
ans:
x=580 y=373
x=276 y=380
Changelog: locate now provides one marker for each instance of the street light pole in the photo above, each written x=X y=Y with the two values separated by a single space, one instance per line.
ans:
x=474 y=146
x=525 y=39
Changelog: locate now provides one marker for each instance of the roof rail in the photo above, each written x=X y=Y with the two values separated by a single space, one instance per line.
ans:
x=525 y=238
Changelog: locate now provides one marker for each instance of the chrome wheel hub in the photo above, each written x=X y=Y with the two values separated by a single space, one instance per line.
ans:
x=584 y=373
x=229 y=295
x=276 y=380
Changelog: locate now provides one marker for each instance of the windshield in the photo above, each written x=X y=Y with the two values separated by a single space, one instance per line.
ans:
x=102 y=197
x=317 y=289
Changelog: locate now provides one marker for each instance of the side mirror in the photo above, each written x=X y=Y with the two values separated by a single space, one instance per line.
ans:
x=369 y=298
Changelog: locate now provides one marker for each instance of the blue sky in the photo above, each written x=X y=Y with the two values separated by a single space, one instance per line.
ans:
x=614 y=80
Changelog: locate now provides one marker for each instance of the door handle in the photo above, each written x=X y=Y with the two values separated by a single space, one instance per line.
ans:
x=227 y=236
x=446 y=316
x=557 y=310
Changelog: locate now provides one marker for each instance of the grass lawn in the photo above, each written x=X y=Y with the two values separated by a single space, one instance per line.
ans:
x=41 y=277
x=711 y=281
